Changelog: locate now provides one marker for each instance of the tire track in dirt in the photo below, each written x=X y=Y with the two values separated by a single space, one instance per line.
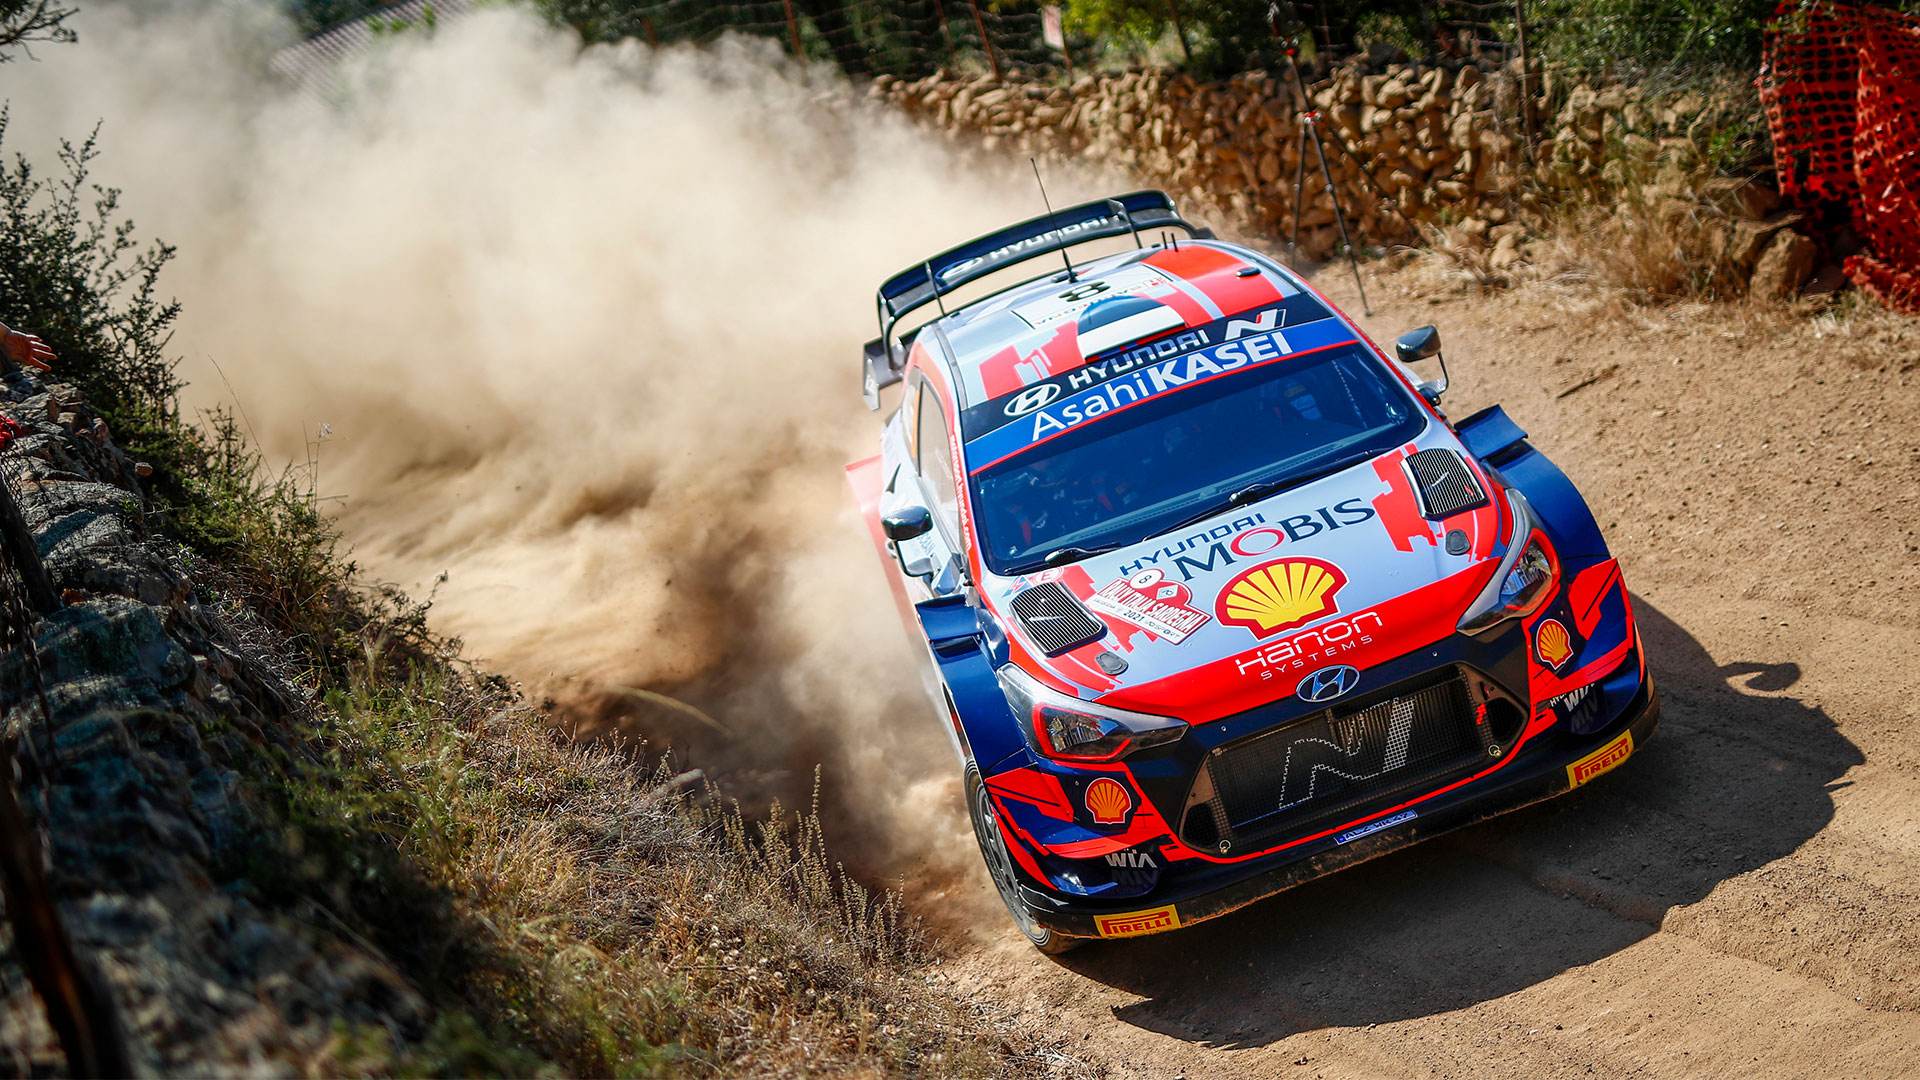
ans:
x=1740 y=899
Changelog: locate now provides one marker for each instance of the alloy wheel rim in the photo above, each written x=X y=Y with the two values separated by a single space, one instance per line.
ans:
x=1000 y=864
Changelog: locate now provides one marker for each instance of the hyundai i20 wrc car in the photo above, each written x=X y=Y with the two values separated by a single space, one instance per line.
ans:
x=1214 y=599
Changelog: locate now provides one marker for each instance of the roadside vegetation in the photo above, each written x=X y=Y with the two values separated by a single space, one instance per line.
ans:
x=1210 y=38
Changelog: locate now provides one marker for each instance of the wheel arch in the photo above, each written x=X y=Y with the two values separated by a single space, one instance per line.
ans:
x=1500 y=444
x=985 y=730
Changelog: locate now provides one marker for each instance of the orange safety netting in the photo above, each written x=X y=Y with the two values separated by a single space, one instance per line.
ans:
x=1841 y=86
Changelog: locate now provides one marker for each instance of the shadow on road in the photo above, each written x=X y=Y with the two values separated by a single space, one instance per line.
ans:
x=1732 y=781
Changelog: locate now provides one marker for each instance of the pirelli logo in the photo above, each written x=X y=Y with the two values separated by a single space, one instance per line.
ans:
x=1600 y=760
x=1135 y=923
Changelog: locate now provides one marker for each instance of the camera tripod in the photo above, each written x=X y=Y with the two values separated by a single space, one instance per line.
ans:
x=1285 y=24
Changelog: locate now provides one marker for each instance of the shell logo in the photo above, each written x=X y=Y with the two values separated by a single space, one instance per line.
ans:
x=1280 y=595
x=1108 y=802
x=1552 y=645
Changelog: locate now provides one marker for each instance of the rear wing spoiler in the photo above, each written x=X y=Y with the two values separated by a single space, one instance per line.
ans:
x=914 y=288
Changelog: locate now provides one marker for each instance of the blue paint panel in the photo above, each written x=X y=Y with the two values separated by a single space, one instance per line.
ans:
x=950 y=623
x=1569 y=522
x=1611 y=630
x=1050 y=831
x=1616 y=694
x=1488 y=432
x=988 y=727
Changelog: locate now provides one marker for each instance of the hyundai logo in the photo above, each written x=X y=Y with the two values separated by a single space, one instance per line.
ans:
x=1033 y=397
x=1328 y=683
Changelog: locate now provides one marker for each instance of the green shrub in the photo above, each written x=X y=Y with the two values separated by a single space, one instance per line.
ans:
x=72 y=273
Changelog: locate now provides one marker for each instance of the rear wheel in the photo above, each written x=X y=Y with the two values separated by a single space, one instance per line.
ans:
x=993 y=848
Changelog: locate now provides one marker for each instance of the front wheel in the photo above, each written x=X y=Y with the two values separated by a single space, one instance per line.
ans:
x=993 y=848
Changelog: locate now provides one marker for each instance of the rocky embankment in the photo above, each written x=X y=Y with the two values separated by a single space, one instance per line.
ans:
x=164 y=705
x=1418 y=148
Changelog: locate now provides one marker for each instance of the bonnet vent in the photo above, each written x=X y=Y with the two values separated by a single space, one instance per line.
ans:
x=1055 y=619
x=1446 y=487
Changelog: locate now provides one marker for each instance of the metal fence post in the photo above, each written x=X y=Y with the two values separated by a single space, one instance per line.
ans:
x=993 y=58
x=946 y=35
x=1526 y=73
x=793 y=28
x=1173 y=9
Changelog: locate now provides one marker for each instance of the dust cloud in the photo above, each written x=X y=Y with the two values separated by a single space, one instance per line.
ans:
x=580 y=331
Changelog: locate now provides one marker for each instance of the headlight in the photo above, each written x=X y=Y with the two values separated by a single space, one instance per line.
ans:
x=1068 y=729
x=1525 y=580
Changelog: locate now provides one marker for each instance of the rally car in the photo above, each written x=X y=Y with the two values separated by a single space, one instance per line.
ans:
x=1214 y=598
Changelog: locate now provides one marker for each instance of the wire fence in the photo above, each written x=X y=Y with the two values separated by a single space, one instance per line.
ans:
x=911 y=38
x=1642 y=41
x=863 y=37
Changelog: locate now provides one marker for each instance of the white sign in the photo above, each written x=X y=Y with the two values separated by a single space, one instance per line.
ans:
x=1051 y=31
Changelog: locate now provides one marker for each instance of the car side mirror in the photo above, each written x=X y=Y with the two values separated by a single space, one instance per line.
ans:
x=906 y=523
x=1422 y=344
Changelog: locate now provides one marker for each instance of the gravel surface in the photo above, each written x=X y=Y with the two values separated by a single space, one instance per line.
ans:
x=1741 y=898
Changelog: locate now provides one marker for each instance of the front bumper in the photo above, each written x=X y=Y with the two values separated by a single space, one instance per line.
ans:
x=1563 y=762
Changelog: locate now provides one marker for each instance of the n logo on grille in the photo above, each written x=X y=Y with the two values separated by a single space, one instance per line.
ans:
x=1334 y=757
x=1329 y=683
x=1355 y=742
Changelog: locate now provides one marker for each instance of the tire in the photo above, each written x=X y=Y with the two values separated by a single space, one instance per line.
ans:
x=993 y=849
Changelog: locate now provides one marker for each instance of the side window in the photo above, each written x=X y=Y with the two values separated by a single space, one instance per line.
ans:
x=934 y=456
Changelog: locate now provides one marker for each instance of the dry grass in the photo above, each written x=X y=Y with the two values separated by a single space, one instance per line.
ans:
x=1646 y=254
x=1591 y=258
x=570 y=910
x=1876 y=338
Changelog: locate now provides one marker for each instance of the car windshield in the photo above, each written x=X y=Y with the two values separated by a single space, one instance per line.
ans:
x=1173 y=459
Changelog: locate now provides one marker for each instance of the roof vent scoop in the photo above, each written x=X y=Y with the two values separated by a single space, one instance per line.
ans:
x=1055 y=619
x=1121 y=320
x=1446 y=486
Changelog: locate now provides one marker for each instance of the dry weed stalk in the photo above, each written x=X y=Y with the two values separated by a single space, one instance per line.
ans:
x=603 y=918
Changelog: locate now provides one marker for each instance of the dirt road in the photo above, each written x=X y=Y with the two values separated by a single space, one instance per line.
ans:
x=1743 y=899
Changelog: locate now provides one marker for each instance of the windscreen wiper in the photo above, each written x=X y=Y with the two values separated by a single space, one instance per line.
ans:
x=1060 y=556
x=1263 y=489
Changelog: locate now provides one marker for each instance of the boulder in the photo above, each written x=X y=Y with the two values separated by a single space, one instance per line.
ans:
x=1785 y=265
x=1506 y=252
x=1750 y=238
x=1513 y=229
x=1740 y=197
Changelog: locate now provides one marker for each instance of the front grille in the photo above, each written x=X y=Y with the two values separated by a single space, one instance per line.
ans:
x=1331 y=764
x=1055 y=619
x=1446 y=486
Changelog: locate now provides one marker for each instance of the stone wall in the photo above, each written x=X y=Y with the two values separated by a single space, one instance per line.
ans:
x=1420 y=147
x=164 y=700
